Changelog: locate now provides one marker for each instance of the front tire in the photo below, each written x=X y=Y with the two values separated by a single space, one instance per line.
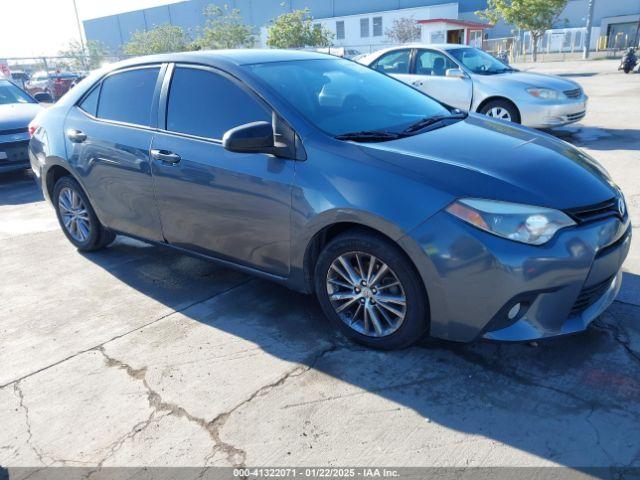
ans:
x=501 y=109
x=77 y=218
x=371 y=291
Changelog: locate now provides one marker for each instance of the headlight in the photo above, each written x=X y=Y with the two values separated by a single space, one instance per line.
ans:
x=520 y=223
x=545 y=93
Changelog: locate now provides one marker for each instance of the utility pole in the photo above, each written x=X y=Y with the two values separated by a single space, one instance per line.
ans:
x=84 y=52
x=587 y=37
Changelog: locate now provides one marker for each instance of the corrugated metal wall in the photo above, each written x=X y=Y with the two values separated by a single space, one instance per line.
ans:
x=115 y=30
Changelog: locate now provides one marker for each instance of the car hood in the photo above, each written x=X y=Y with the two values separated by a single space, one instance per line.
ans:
x=534 y=80
x=486 y=158
x=17 y=115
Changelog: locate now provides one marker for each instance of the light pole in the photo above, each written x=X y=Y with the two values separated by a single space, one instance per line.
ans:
x=587 y=37
x=84 y=60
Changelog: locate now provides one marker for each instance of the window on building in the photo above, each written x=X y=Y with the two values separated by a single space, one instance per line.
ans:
x=127 y=96
x=340 y=30
x=577 y=41
x=364 y=27
x=377 y=26
x=205 y=104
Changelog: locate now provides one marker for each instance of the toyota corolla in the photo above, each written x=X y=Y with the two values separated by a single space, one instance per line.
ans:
x=405 y=217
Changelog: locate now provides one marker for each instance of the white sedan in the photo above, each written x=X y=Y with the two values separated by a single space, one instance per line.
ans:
x=471 y=79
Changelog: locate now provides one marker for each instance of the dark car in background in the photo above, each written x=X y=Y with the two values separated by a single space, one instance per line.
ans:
x=17 y=109
x=403 y=215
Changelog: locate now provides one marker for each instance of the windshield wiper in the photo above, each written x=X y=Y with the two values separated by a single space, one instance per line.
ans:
x=502 y=70
x=428 y=121
x=369 y=136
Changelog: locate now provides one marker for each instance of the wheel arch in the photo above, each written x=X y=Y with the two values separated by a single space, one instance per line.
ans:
x=501 y=98
x=52 y=175
x=330 y=231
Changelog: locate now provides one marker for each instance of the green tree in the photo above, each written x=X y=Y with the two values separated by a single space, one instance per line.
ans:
x=537 y=16
x=296 y=30
x=92 y=57
x=224 y=29
x=404 y=30
x=160 y=39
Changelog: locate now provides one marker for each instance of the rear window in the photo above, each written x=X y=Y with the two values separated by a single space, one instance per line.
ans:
x=127 y=96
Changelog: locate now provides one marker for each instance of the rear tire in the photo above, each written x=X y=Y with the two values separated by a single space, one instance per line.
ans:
x=77 y=218
x=397 y=315
x=501 y=109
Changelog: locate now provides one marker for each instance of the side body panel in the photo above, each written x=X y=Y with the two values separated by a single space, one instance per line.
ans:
x=223 y=203
x=114 y=166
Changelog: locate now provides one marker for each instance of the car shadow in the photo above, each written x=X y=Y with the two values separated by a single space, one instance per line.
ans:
x=596 y=138
x=572 y=401
x=19 y=187
x=577 y=74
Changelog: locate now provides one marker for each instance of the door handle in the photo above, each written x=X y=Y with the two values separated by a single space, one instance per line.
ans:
x=166 y=157
x=417 y=83
x=76 y=136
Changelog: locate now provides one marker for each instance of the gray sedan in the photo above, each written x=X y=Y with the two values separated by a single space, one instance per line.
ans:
x=330 y=178
x=470 y=79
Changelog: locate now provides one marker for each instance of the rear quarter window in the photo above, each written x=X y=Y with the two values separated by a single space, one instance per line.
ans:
x=90 y=102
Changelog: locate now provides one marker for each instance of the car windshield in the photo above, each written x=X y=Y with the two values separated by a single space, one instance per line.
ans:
x=341 y=96
x=478 y=61
x=9 y=93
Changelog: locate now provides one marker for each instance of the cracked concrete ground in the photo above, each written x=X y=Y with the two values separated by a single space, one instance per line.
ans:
x=141 y=356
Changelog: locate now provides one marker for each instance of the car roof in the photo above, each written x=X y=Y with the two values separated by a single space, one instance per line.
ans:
x=436 y=46
x=234 y=56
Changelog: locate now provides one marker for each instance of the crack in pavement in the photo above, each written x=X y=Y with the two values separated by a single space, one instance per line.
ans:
x=20 y=395
x=158 y=404
x=616 y=334
x=139 y=327
x=596 y=431
x=234 y=455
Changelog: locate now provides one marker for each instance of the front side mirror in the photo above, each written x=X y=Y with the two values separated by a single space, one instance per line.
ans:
x=43 y=97
x=455 y=73
x=255 y=137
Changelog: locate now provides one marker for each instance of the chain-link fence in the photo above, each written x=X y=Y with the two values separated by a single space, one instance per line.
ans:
x=54 y=75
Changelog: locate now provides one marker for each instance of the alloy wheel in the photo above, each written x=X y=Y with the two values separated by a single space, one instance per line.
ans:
x=366 y=294
x=74 y=214
x=499 y=112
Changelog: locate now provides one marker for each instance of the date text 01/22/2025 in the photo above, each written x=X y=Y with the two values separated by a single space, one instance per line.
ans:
x=320 y=472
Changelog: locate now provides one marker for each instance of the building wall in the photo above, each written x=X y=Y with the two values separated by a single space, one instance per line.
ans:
x=353 y=37
x=116 y=30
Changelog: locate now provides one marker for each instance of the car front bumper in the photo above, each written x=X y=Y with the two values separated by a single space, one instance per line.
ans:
x=474 y=278
x=538 y=114
x=14 y=152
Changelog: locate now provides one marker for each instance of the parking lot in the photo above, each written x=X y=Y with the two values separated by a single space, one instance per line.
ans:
x=137 y=355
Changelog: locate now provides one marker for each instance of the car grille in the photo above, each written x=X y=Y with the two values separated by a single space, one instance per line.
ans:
x=14 y=131
x=15 y=151
x=598 y=211
x=590 y=295
x=574 y=117
x=575 y=93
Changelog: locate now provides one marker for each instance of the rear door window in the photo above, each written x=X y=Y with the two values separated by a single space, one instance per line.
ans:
x=128 y=96
x=394 y=62
x=207 y=104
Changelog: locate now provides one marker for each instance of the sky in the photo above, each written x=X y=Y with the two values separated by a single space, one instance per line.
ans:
x=43 y=27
